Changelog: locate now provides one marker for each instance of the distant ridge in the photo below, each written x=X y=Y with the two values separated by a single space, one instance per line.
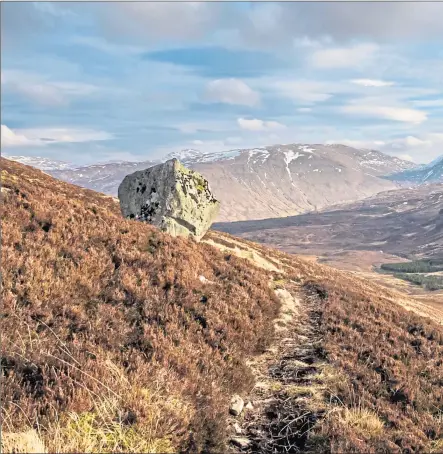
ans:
x=430 y=173
x=263 y=182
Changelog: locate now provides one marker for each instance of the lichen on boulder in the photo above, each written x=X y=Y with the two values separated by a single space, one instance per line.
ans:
x=175 y=199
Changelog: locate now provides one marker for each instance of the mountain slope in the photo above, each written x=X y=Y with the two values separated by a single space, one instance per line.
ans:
x=431 y=173
x=265 y=182
x=406 y=222
x=121 y=321
x=41 y=163
x=104 y=178
x=123 y=339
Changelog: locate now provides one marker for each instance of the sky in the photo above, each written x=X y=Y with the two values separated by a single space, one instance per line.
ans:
x=94 y=82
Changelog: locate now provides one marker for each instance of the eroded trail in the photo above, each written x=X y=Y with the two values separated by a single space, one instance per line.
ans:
x=288 y=397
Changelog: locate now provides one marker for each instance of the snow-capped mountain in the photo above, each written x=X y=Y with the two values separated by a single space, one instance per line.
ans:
x=104 y=177
x=184 y=155
x=44 y=164
x=430 y=173
x=273 y=181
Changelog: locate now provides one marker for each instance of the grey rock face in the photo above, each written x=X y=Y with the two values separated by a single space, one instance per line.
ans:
x=171 y=197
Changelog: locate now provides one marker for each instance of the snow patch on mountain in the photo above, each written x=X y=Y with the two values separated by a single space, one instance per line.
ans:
x=306 y=148
x=191 y=155
x=42 y=163
x=261 y=153
x=289 y=157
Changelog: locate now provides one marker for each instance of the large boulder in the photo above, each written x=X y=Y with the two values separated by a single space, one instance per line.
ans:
x=170 y=196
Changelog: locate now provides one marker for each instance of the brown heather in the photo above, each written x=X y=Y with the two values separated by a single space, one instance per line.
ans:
x=112 y=343
x=393 y=363
x=107 y=318
x=387 y=364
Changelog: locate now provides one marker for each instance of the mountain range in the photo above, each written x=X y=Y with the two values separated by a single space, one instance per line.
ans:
x=259 y=183
x=430 y=173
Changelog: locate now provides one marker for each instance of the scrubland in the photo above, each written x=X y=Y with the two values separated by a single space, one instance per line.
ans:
x=119 y=338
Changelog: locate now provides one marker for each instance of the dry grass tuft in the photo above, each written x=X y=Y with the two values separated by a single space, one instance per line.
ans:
x=363 y=421
x=23 y=442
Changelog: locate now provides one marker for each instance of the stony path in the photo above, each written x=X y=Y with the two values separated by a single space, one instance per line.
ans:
x=288 y=397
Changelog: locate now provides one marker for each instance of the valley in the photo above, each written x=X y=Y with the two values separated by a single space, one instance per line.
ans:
x=394 y=226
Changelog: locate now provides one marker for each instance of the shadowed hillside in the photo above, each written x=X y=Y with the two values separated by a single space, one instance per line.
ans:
x=406 y=222
x=123 y=339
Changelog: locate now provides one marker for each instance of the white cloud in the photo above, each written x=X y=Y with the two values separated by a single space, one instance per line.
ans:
x=344 y=57
x=259 y=125
x=309 y=43
x=369 y=109
x=304 y=109
x=372 y=83
x=10 y=138
x=71 y=135
x=304 y=91
x=423 y=148
x=46 y=136
x=343 y=20
x=231 y=91
x=49 y=93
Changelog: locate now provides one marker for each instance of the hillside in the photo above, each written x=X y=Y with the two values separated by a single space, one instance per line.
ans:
x=124 y=339
x=407 y=223
x=273 y=181
x=428 y=174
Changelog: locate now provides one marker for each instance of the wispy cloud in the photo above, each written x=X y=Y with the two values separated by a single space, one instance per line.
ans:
x=369 y=108
x=372 y=83
x=428 y=102
x=38 y=89
x=231 y=91
x=421 y=148
x=344 y=57
x=48 y=136
x=259 y=125
x=303 y=91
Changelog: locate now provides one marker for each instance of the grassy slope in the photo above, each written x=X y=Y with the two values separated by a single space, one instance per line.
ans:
x=387 y=362
x=108 y=318
x=111 y=333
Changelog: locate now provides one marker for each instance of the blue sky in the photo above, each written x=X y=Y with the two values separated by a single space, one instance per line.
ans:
x=88 y=82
